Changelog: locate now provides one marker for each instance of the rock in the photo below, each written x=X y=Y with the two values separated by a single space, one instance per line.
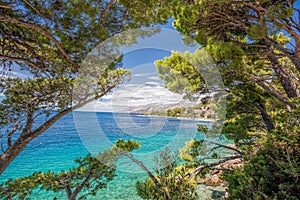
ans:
x=215 y=180
x=226 y=196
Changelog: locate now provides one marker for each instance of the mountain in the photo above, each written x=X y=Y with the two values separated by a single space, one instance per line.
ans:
x=157 y=107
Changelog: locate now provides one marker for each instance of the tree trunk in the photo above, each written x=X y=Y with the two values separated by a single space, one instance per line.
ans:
x=266 y=117
x=286 y=81
x=17 y=147
x=297 y=60
x=12 y=152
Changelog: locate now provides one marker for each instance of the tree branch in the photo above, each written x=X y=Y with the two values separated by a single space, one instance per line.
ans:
x=29 y=121
x=155 y=181
x=139 y=163
x=6 y=7
x=284 y=76
x=105 y=11
x=266 y=117
x=260 y=10
x=6 y=18
x=9 y=135
x=272 y=91
x=33 y=8
x=67 y=187
x=82 y=184
x=287 y=52
x=54 y=119
x=224 y=146
x=197 y=170
x=32 y=64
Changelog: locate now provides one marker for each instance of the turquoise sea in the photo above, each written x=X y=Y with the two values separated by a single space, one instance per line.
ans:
x=69 y=139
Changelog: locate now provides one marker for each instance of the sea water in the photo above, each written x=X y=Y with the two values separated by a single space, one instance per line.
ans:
x=76 y=135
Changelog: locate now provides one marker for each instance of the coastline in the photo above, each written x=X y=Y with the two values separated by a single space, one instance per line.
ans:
x=180 y=118
x=149 y=115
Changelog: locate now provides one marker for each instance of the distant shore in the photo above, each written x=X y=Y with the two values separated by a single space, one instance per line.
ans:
x=181 y=118
x=149 y=115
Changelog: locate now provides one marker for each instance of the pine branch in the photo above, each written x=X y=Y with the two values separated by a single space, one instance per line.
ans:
x=6 y=18
x=105 y=11
x=197 y=170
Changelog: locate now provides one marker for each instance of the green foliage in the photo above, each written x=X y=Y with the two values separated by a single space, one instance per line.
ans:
x=202 y=128
x=172 y=178
x=148 y=12
x=90 y=175
x=176 y=112
x=257 y=31
x=180 y=75
x=191 y=151
x=250 y=41
x=273 y=173
x=129 y=145
x=39 y=92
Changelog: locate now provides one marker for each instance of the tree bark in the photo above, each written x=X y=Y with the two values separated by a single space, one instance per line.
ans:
x=278 y=95
x=266 y=117
x=294 y=56
x=196 y=171
x=67 y=187
x=80 y=187
x=12 y=152
x=286 y=81
x=10 y=134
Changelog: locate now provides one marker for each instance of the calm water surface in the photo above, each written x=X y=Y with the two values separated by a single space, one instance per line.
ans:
x=67 y=140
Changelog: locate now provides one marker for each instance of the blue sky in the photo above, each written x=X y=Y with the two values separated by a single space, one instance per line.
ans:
x=144 y=87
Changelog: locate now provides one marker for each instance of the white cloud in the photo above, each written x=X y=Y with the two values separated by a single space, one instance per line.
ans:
x=154 y=78
x=144 y=88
